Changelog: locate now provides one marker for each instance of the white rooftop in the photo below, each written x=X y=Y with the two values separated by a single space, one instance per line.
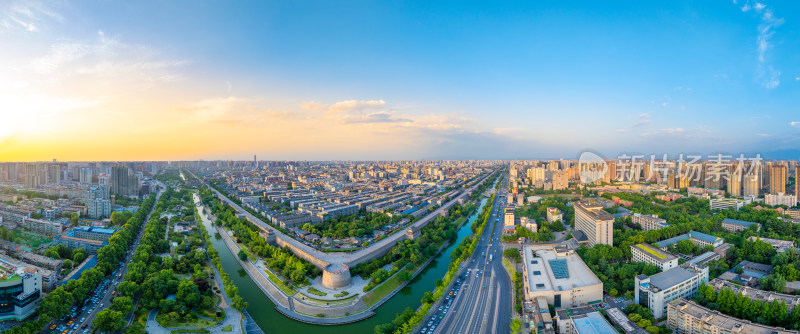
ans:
x=552 y=269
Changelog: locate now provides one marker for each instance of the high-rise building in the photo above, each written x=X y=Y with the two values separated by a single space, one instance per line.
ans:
x=85 y=175
x=53 y=173
x=751 y=184
x=777 y=179
x=797 y=179
x=594 y=222
x=123 y=182
x=735 y=178
x=31 y=176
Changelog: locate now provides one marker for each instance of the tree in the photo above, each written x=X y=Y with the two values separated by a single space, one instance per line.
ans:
x=652 y=329
x=516 y=326
x=404 y=276
x=242 y=255
x=122 y=304
x=108 y=321
x=128 y=288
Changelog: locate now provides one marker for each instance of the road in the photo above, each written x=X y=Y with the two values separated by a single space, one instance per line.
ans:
x=96 y=304
x=481 y=302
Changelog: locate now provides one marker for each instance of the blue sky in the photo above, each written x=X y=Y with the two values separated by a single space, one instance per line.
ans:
x=405 y=80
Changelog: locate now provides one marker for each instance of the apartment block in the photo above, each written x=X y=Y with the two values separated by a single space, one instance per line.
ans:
x=649 y=222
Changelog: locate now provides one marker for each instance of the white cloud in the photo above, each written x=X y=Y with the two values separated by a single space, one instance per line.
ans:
x=767 y=74
x=641 y=123
x=108 y=58
x=664 y=104
x=644 y=115
x=28 y=15
x=795 y=124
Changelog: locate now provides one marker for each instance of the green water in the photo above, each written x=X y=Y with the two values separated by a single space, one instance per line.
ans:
x=271 y=321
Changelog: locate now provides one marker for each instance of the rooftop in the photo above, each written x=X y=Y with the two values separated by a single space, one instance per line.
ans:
x=705 y=237
x=672 y=277
x=592 y=323
x=738 y=222
x=655 y=253
x=727 y=323
x=551 y=269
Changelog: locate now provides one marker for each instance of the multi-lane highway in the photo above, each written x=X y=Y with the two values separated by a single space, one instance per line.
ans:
x=100 y=298
x=481 y=302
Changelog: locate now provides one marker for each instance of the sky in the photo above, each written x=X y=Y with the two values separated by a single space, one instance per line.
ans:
x=392 y=80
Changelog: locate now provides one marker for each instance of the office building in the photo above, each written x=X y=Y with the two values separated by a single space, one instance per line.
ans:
x=20 y=289
x=734 y=225
x=685 y=316
x=645 y=252
x=582 y=320
x=594 y=222
x=648 y=222
x=777 y=179
x=559 y=275
x=655 y=292
x=31 y=176
x=508 y=216
x=123 y=182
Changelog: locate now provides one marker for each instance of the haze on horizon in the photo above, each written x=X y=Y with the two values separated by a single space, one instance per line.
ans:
x=393 y=81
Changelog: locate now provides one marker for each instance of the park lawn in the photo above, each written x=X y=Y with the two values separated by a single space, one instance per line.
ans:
x=141 y=316
x=228 y=328
x=319 y=302
x=191 y=321
x=385 y=288
x=212 y=313
x=285 y=288
x=316 y=292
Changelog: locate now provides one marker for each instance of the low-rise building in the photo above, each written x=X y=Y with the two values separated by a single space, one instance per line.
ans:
x=649 y=222
x=655 y=292
x=755 y=294
x=727 y=203
x=560 y=276
x=779 y=245
x=554 y=215
x=780 y=199
x=582 y=320
x=20 y=289
x=697 y=238
x=645 y=252
x=735 y=225
x=93 y=233
x=43 y=227
x=684 y=316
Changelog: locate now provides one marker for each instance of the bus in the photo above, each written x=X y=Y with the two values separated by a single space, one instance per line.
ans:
x=490 y=258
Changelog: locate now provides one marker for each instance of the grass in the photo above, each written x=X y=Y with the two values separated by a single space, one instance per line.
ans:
x=189 y=331
x=341 y=294
x=316 y=292
x=191 y=321
x=141 y=316
x=285 y=288
x=32 y=240
x=228 y=328
x=319 y=302
x=212 y=313
x=651 y=251
x=384 y=289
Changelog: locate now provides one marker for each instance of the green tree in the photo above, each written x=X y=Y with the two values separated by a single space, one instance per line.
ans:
x=108 y=321
x=122 y=304
x=242 y=255
x=516 y=326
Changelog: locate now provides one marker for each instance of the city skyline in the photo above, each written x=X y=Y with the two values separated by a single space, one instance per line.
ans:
x=298 y=81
